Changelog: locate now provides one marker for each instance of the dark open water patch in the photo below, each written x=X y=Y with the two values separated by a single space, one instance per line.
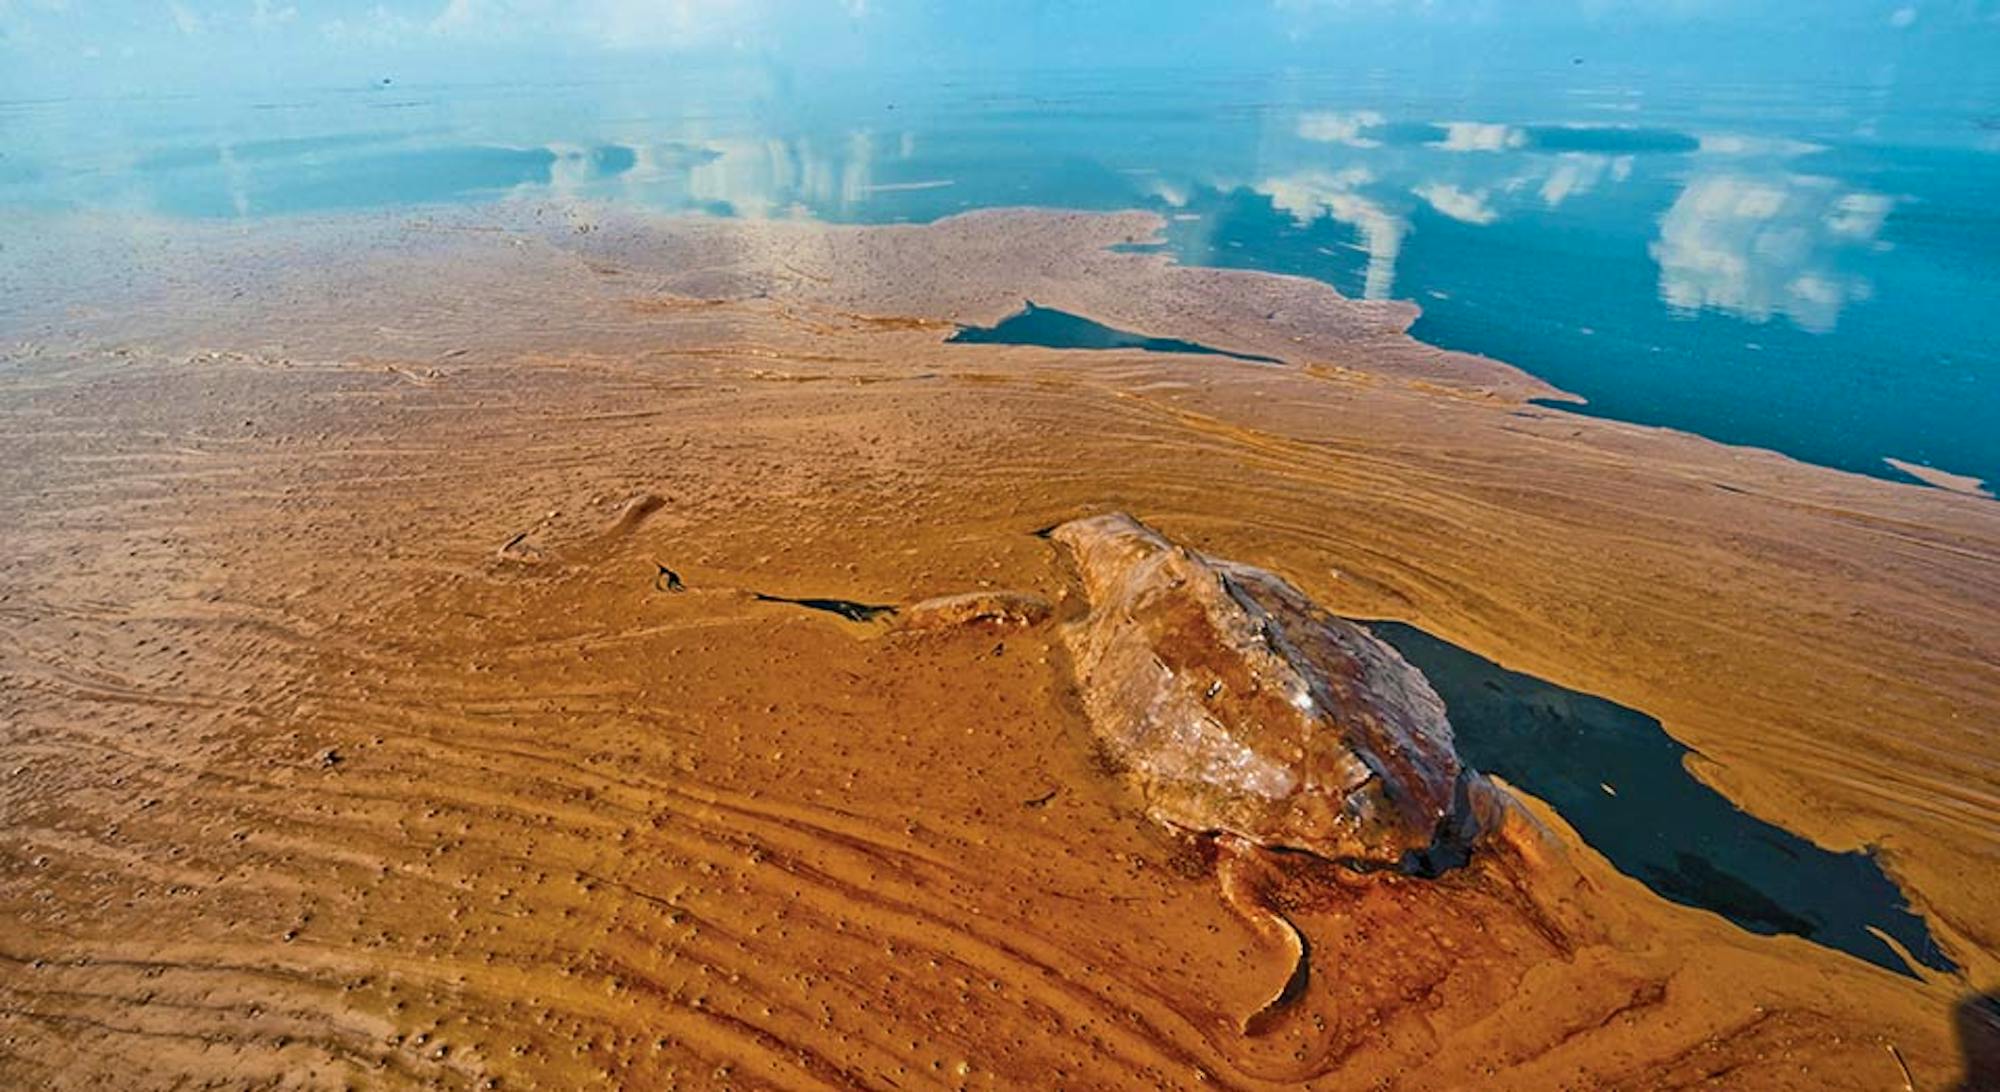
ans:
x=1053 y=329
x=846 y=608
x=1618 y=778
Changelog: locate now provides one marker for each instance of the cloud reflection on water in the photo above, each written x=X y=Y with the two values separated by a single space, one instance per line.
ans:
x=1746 y=238
x=1577 y=173
x=1467 y=207
x=1475 y=136
x=1527 y=228
x=1759 y=246
x=1330 y=127
x=1310 y=195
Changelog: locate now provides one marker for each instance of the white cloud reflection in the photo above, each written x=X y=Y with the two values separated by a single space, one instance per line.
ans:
x=765 y=178
x=1738 y=144
x=1477 y=136
x=1757 y=247
x=1327 y=127
x=1577 y=173
x=1310 y=195
x=1465 y=206
x=1859 y=215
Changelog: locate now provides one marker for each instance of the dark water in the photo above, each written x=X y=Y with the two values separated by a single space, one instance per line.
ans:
x=845 y=608
x=1046 y=326
x=1617 y=777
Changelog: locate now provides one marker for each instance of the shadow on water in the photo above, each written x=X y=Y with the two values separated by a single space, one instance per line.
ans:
x=1053 y=329
x=1618 y=778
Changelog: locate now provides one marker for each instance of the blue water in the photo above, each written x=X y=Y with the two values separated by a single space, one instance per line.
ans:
x=1798 y=265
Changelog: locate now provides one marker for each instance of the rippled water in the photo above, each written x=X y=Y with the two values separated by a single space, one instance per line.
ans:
x=1797 y=266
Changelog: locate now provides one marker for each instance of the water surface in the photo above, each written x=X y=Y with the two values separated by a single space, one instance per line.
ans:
x=1790 y=264
x=1057 y=329
x=1617 y=777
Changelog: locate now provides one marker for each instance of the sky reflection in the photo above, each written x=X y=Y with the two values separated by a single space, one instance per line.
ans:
x=1760 y=247
x=1780 y=265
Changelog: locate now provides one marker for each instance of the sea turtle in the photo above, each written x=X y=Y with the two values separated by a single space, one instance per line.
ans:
x=1239 y=710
